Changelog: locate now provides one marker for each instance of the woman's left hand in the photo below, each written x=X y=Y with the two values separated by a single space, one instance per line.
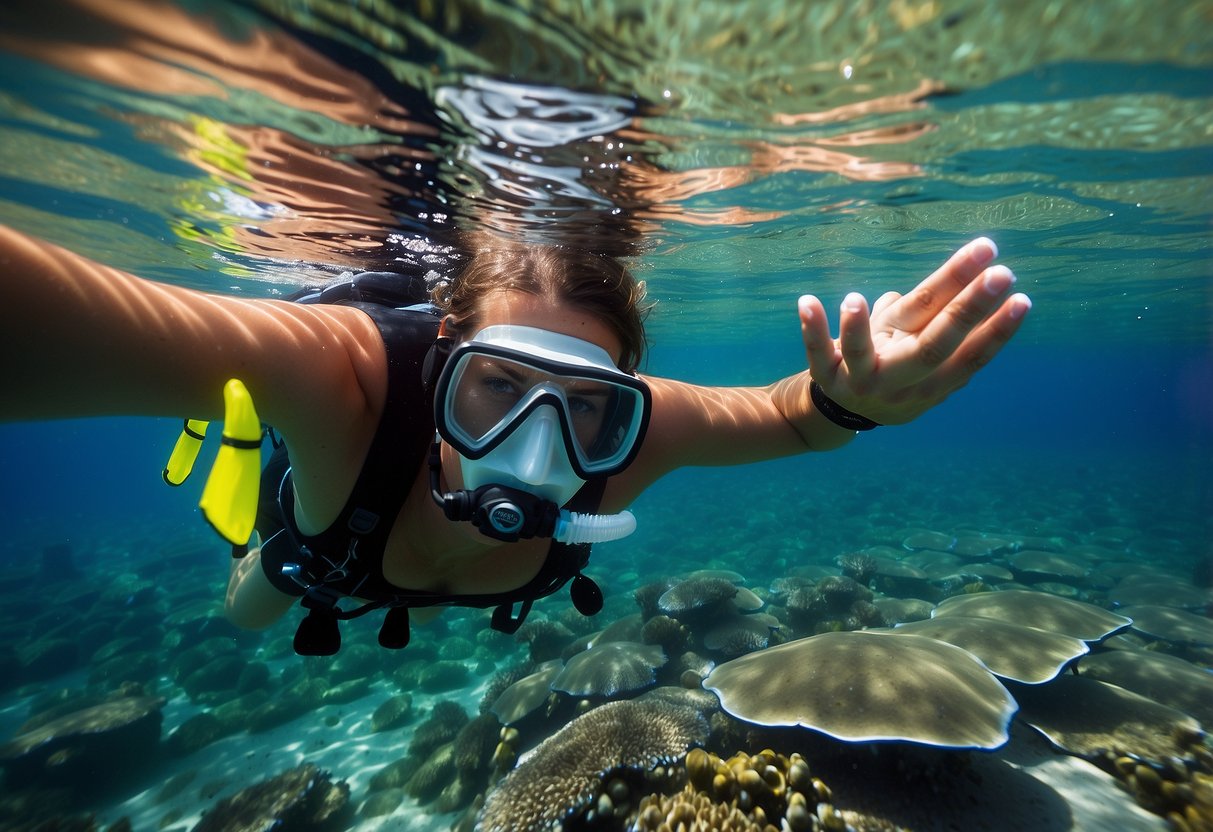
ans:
x=912 y=351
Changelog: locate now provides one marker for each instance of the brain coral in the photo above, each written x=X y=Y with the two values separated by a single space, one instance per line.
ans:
x=695 y=595
x=564 y=772
x=609 y=669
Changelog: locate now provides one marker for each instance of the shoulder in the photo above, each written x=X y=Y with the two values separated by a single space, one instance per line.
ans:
x=379 y=352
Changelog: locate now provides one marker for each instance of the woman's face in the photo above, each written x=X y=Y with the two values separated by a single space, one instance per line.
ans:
x=487 y=401
x=494 y=386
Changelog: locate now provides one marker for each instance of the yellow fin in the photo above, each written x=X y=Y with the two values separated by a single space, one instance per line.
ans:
x=185 y=452
x=229 y=499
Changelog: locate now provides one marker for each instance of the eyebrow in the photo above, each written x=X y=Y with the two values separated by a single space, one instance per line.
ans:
x=599 y=389
x=589 y=394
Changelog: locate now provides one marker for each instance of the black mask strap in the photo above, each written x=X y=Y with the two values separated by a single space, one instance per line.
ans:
x=434 y=361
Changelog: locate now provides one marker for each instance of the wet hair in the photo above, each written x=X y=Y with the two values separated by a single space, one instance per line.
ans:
x=589 y=281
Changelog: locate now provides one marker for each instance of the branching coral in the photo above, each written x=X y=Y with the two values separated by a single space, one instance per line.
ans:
x=747 y=793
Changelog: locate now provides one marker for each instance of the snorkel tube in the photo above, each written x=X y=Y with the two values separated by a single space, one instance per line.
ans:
x=510 y=514
x=575 y=527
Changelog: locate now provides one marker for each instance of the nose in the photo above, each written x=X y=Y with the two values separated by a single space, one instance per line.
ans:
x=541 y=435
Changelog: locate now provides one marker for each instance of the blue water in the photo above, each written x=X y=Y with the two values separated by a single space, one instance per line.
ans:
x=1085 y=155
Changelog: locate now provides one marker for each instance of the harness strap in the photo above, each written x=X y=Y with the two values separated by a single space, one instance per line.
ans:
x=324 y=579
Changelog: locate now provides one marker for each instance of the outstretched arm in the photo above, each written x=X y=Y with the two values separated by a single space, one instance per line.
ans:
x=80 y=339
x=890 y=365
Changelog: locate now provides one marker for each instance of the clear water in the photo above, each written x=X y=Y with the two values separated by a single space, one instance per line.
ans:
x=747 y=153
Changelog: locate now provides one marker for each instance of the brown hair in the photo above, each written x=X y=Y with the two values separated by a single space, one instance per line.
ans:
x=588 y=280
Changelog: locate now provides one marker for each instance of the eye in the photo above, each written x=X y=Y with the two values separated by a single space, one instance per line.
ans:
x=579 y=406
x=499 y=386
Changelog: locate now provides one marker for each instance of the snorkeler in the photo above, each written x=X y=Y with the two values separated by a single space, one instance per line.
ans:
x=468 y=455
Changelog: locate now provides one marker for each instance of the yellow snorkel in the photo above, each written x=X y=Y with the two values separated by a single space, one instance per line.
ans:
x=185 y=452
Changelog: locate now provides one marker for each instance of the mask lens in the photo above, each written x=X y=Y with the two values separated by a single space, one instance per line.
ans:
x=485 y=392
x=489 y=395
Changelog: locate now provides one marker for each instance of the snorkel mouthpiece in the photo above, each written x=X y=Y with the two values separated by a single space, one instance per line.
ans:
x=510 y=514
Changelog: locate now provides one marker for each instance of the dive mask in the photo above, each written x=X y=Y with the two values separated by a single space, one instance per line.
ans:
x=538 y=410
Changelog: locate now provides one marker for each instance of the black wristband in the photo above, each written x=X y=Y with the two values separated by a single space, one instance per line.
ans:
x=836 y=413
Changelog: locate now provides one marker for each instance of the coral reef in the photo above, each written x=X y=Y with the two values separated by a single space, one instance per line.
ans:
x=668 y=633
x=1092 y=719
x=1163 y=678
x=443 y=725
x=863 y=686
x=546 y=639
x=647 y=597
x=1170 y=624
x=1011 y=651
x=748 y=793
x=1175 y=790
x=448 y=762
x=562 y=778
x=441 y=676
x=1032 y=566
x=697 y=599
x=1048 y=612
x=837 y=592
x=900 y=610
x=610 y=669
x=858 y=566
x=392 y=713
x=78 y=750
x=502 y=680
x=735 y=635
x=834 y=603
x=627 y=628
x=525 y=695
x=302 y=799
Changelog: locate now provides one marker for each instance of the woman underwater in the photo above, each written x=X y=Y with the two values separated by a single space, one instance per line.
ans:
x=534 y=395
x=434 y=456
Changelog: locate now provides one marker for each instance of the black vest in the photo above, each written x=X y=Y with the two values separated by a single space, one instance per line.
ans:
x=346 y=559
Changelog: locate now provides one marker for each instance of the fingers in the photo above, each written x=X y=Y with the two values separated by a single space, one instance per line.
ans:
x=856 y=357
x=932 y=340
x=819 y=346
x=945 y=332
x=980 y=347
x=884 y=302
x=855 y=334
x=915 y=310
